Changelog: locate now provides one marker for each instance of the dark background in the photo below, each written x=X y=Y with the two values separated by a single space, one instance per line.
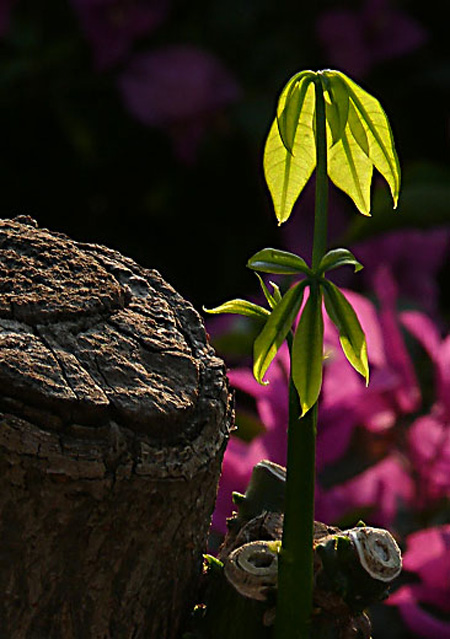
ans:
x=74 y=157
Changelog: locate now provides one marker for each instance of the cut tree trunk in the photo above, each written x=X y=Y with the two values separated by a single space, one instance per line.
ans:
x=114 y=416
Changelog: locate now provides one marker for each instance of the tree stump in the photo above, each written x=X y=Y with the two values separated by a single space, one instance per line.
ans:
x=114 y=416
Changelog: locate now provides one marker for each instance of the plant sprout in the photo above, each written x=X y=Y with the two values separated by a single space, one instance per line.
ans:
x=327 y=123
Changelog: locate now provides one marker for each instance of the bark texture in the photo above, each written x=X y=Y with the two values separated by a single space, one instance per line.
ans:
x=114 y=416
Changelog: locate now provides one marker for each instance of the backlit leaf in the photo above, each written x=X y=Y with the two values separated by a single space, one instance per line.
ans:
x=358 y=130
x=351 y=170
x=307 y=351
x=267 y=294
x=276 y=292
x=338 y=257
x=378 y=131
x=290 y=106
x=351 y=335
x=337 y=109
x=240 y=307
x=276 y=329
x=287 y=171
x=274 y=261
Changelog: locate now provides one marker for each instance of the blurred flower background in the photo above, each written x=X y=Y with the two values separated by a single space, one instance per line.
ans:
x=140 y=124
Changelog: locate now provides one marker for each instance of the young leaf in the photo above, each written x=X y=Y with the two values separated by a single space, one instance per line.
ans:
x=269 y=297
x=274 y=261
x=287 y=170
x=290 y=106
x=276 y=292
x=307 y=351
x=276 y=329
x=351 y=335
x=338 y=257
x=377 y=138
x=240 y=307
x=351 y=170
x=358 y=130
x=337 y=109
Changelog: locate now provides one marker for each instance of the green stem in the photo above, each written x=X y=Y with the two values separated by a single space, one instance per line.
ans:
x=295 y=576
x=321 y=207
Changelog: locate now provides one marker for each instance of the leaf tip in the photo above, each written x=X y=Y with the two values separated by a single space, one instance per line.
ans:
x=305 y=408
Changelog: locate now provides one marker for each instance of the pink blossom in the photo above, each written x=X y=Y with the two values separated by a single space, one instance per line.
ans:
x=407 y=394
x=429 y=435
x=355 y=41
x=429 y=443
x=377 y=493
x=428 y=557
x=393 y=389
x=178 y=87
x=240 y=456
x=414 y=257
x=112 y=26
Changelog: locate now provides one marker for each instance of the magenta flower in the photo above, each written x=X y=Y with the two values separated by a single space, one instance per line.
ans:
x=240 y=456
x=429 y=435
x=413 y=257
x=428 y=557
x=355 y=41
x=178 y=88
x=112 y=26
x=393 y=390
x=379 y=491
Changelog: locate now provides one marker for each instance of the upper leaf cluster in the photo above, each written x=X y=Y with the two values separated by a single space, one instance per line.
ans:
x=359 y=139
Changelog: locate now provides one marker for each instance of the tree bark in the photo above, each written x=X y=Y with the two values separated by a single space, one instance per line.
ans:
x=114 y=416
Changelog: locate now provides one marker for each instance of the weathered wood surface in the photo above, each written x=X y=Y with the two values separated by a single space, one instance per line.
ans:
x=114 y=415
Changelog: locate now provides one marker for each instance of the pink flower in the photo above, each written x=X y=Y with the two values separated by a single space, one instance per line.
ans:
x=393 y=389
x=179 y=88
x=414 y=258
x=355 y=41
x=429 y=435
x=112 y=26
x=377 y=493
x=429 y=443
x=240 y=456
x=428 y=556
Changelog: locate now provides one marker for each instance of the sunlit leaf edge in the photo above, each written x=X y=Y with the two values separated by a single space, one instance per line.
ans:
x=351 y=334
x=275 y=330
x=307 y=352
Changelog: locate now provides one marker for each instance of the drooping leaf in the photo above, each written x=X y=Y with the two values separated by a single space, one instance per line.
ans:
x=337 y=109
x=276 y=329
x=373 y=119
x=290 y=106
x=358 y=130
x=240 y=307
x=307 y=351
x=276 y=292
x=351 y=170
x=267 y=294
x=287 y=171
x=351 y=335
x=338 y=257
x=274 y=261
